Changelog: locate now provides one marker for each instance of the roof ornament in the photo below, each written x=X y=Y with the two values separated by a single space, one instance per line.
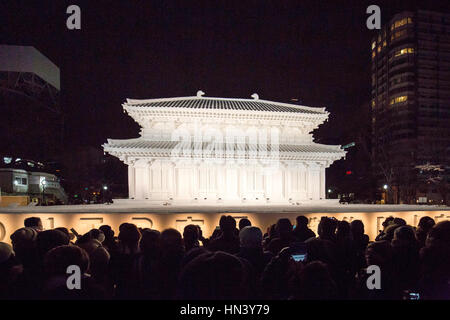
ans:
x=255 y=96
x=200 y=93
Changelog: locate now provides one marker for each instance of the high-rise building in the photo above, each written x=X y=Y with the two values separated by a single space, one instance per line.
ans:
x=31 y=118
x=410 y=103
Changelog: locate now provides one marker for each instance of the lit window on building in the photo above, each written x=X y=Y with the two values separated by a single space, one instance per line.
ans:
x=398 y=34
x=400 y=23
x=399 y=99
x=373 y=103
x=20 y=181
x=373 y=54
x=404 y=51
x=374 y=45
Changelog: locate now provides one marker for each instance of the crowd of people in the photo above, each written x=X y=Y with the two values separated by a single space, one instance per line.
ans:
x=238 y=261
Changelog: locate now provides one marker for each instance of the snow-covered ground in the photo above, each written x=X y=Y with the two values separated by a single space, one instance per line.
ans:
x=130 y=207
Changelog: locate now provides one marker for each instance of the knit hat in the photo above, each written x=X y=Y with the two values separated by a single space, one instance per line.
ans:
x=250 y=237
x=5 y=252
x=24 y=235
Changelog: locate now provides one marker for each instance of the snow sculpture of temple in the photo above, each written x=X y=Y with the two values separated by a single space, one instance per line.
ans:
x=202 y=150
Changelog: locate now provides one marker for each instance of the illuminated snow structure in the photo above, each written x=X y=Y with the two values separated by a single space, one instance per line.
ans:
x=203 y=150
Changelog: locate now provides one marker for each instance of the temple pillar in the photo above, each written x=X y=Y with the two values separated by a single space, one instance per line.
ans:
x=131 y=181
x=322 y=182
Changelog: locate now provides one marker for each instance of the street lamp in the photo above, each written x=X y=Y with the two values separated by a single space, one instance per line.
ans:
x=385 y=187
x=43 y=182
x=105 y=188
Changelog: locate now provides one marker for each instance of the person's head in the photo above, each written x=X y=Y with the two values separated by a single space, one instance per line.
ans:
x=59 y=258
x=389 y=232
x=439 y=235
x=314 y=282
x=24 y=238
x=378 y=253
x=90 y=245
x=64 y=230
x=99 y=261
x=129 y=235
x=34 y=222
x=108 y=232
x=6 y=252
x=272 y=231
x=357 y=228
x=283 y=227
x=302 y=222
x=426 y=223
x=251 y=237
x=222 y=222
x=190 y=234
x=244 y=222
x=399 y=221
x=228 y=225
x=49 y=239
x=171 y=241
x=404 y=236
x=214 y=276
x=97 y=234
x=388 y=221
x=150 y=241
x=326 y=228
x=343 y=230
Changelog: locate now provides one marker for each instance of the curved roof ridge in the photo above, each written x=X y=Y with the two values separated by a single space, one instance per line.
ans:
x=133 y=102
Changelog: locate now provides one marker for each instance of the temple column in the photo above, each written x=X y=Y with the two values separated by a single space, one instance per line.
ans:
x=322 y=182
x=131 y=181
x=309 y=182
x=146 y=179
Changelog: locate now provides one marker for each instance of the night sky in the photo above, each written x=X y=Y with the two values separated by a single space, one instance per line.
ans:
x=315 y=51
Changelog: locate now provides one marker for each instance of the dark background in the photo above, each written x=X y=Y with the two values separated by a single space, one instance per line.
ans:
x=315 y=51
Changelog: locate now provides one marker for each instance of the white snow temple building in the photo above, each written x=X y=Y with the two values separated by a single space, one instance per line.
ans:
x=202 y=150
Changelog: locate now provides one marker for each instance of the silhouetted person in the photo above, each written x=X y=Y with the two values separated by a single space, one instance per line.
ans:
x=109 y=242
x=346 y=258
x=146 y=266
x=123 y=260
x=284 y=236
x=406 y=258
x=34 y=222
x=324 y=248
x=191 y=237
x=424 y=226
x=57 y=261
x=244 y=222
x=9 y=272
x=435 y=258
x=227 y=241
x=378 y=253
x=169 y=263
x=399 y=221
x=314 y=282
x=360 y=241
x=326 y=229
x=387 y=222
x=251 y=249
x=214 y=276
x=301 y=231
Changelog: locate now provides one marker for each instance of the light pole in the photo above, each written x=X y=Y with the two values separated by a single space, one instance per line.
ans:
x=386 y=194
x=105 y=188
